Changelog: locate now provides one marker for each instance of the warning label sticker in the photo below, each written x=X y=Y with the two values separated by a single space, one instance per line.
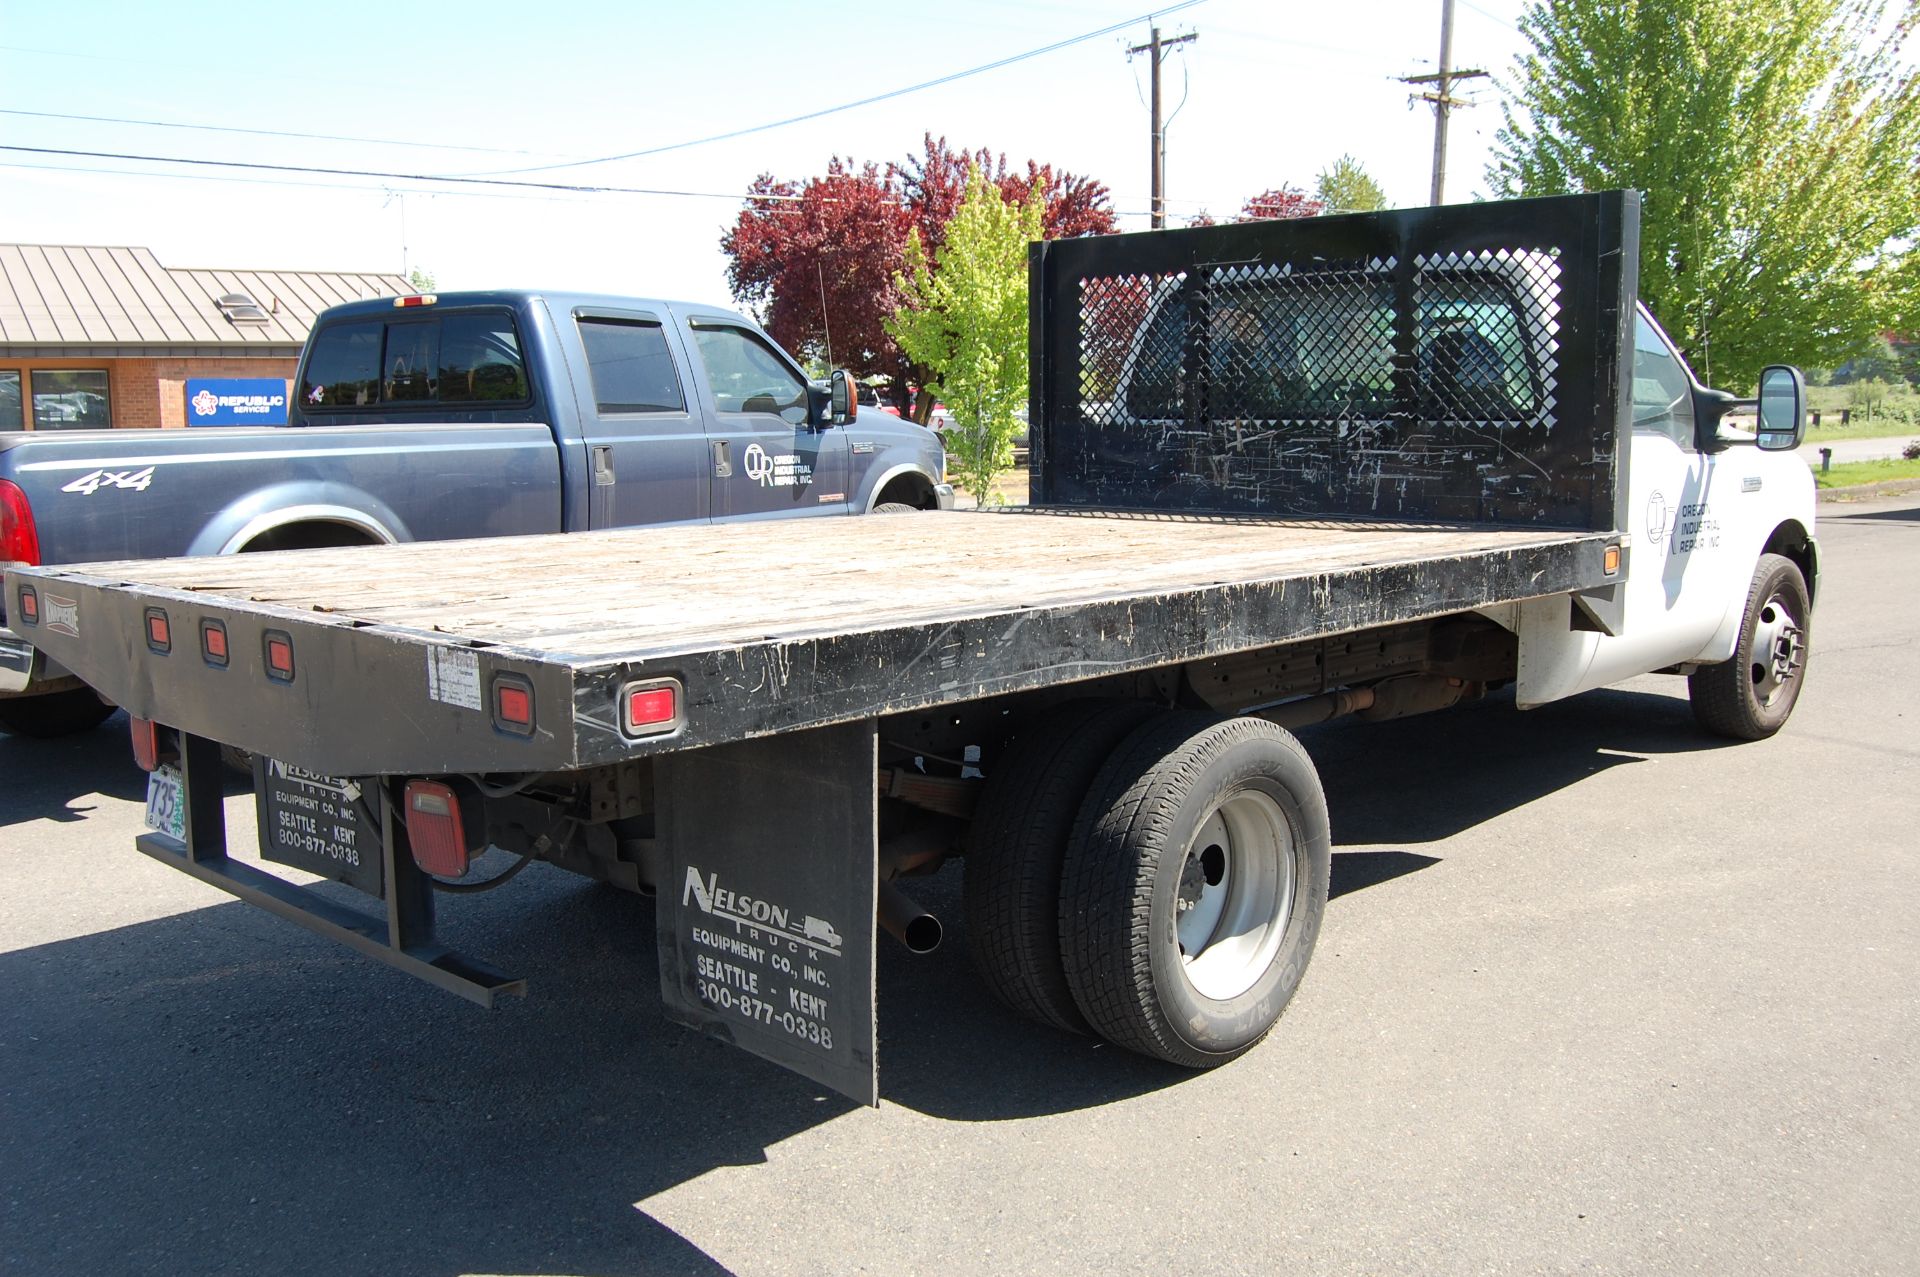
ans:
x=453 y=676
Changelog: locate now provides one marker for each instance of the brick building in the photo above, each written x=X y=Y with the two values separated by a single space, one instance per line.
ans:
x=93 y=337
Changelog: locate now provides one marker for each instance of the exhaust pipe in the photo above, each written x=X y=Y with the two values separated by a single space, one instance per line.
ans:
x=907 y=922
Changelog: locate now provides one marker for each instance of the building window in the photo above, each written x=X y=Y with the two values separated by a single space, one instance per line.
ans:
x=10 y=418
x=70 y=399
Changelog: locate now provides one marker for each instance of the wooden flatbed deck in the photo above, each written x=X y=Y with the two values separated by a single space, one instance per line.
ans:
x=773 y=626
x=643 y=593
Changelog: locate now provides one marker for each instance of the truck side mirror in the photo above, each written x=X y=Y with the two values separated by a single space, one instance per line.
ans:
x=845 y=404
x=1783 y=408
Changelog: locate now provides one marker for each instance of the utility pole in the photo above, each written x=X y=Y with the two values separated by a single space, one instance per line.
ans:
x=1442 y=97
x=1158 y=49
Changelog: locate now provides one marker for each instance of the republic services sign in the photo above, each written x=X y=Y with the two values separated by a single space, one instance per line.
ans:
x=236 y=401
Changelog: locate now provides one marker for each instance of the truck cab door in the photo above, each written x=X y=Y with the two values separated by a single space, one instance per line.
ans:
x=1676 y=593
x=768 y=460
x=646 y=451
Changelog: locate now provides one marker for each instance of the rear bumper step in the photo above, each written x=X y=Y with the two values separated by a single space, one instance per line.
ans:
x=404 y=938
x=433 y=962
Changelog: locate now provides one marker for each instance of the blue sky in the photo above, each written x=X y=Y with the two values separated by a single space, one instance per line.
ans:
x=1271 y=92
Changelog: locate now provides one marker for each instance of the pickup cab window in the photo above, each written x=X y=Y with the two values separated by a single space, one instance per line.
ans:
x=457 y=358
x=747 y=377
x=413 y=357
x=631 y=366
x=480 y=360
x=343 y=370
x=1662 y=390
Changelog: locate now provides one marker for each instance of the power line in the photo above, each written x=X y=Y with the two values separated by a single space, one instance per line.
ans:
x=835 y=110
x=399 y=177
x=1489 y=15
x=223 y=128
x=550 y=197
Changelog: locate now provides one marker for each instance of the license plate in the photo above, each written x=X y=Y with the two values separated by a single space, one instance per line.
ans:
x=167 y=801
x=319 y=824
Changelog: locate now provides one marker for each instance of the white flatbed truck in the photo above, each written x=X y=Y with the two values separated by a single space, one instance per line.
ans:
x=1283 y=471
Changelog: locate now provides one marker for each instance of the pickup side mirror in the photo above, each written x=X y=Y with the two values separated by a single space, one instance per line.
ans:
x=1783 y=408
x=844 y=403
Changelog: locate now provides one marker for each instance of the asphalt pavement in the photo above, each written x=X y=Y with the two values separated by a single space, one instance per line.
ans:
x=1595 y=993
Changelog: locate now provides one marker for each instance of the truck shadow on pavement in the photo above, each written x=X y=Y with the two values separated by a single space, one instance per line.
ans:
x=219 y=1092
x=55 y=779
x=59 y=779
x=1424 y=779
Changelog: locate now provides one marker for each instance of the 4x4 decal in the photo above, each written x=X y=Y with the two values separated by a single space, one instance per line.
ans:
x=88 y=484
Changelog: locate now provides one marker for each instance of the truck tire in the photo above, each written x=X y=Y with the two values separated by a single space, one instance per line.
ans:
x=1017 y=845
x=1195 y=882
x=54 y=714
x=1751 y=696
x=896 y=507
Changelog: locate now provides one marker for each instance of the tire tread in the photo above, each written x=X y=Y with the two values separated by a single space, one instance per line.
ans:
x=1015 y=850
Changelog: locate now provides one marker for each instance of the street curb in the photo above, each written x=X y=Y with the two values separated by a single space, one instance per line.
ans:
x=1886 y=487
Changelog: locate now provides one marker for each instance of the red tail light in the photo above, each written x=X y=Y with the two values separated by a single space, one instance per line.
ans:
x=146 y=743
x=434 y=828
x=19 y=539
x=652 y=708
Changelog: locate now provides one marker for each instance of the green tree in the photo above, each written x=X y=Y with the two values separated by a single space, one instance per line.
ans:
x=421 y=280
x=963 y=315
x=1775 y=146
x=1346 y=187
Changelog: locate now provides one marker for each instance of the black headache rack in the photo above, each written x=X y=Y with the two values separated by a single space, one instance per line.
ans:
x=1464 y=366
x=1459 y=363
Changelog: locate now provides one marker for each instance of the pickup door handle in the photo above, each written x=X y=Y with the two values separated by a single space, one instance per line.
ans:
x=722 y=459
x=603 y=465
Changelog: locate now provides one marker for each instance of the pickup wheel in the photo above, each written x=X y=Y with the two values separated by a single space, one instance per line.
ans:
x=1751 y=696
x=1017 y=845
x=895 y=507
x=1195 y=882
x=54 y=714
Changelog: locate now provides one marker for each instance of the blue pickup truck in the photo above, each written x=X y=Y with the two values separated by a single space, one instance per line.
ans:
x=463 y=415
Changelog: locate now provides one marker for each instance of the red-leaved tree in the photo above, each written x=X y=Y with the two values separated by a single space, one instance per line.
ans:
x=818 y=270
x=1279 y=203
x=845 y=235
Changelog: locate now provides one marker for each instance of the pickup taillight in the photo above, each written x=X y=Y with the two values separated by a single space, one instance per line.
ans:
x=19 y=539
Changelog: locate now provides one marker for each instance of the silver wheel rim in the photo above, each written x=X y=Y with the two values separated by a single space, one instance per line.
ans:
x=1235 y=895
x=1777 y=652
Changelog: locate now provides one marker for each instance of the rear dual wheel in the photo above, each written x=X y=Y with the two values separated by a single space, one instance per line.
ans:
x=1175 y=910
x=1194 y=887
x=1018 y=845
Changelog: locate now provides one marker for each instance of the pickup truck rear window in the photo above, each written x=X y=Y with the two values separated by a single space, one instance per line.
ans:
x=1310 y=348
x=632 y=368
x=344 y=369
x=458 y=358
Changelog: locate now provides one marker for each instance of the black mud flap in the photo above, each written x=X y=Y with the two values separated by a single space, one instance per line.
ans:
x=766 y=920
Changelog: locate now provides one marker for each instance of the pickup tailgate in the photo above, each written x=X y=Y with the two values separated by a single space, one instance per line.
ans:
x=394 y=659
